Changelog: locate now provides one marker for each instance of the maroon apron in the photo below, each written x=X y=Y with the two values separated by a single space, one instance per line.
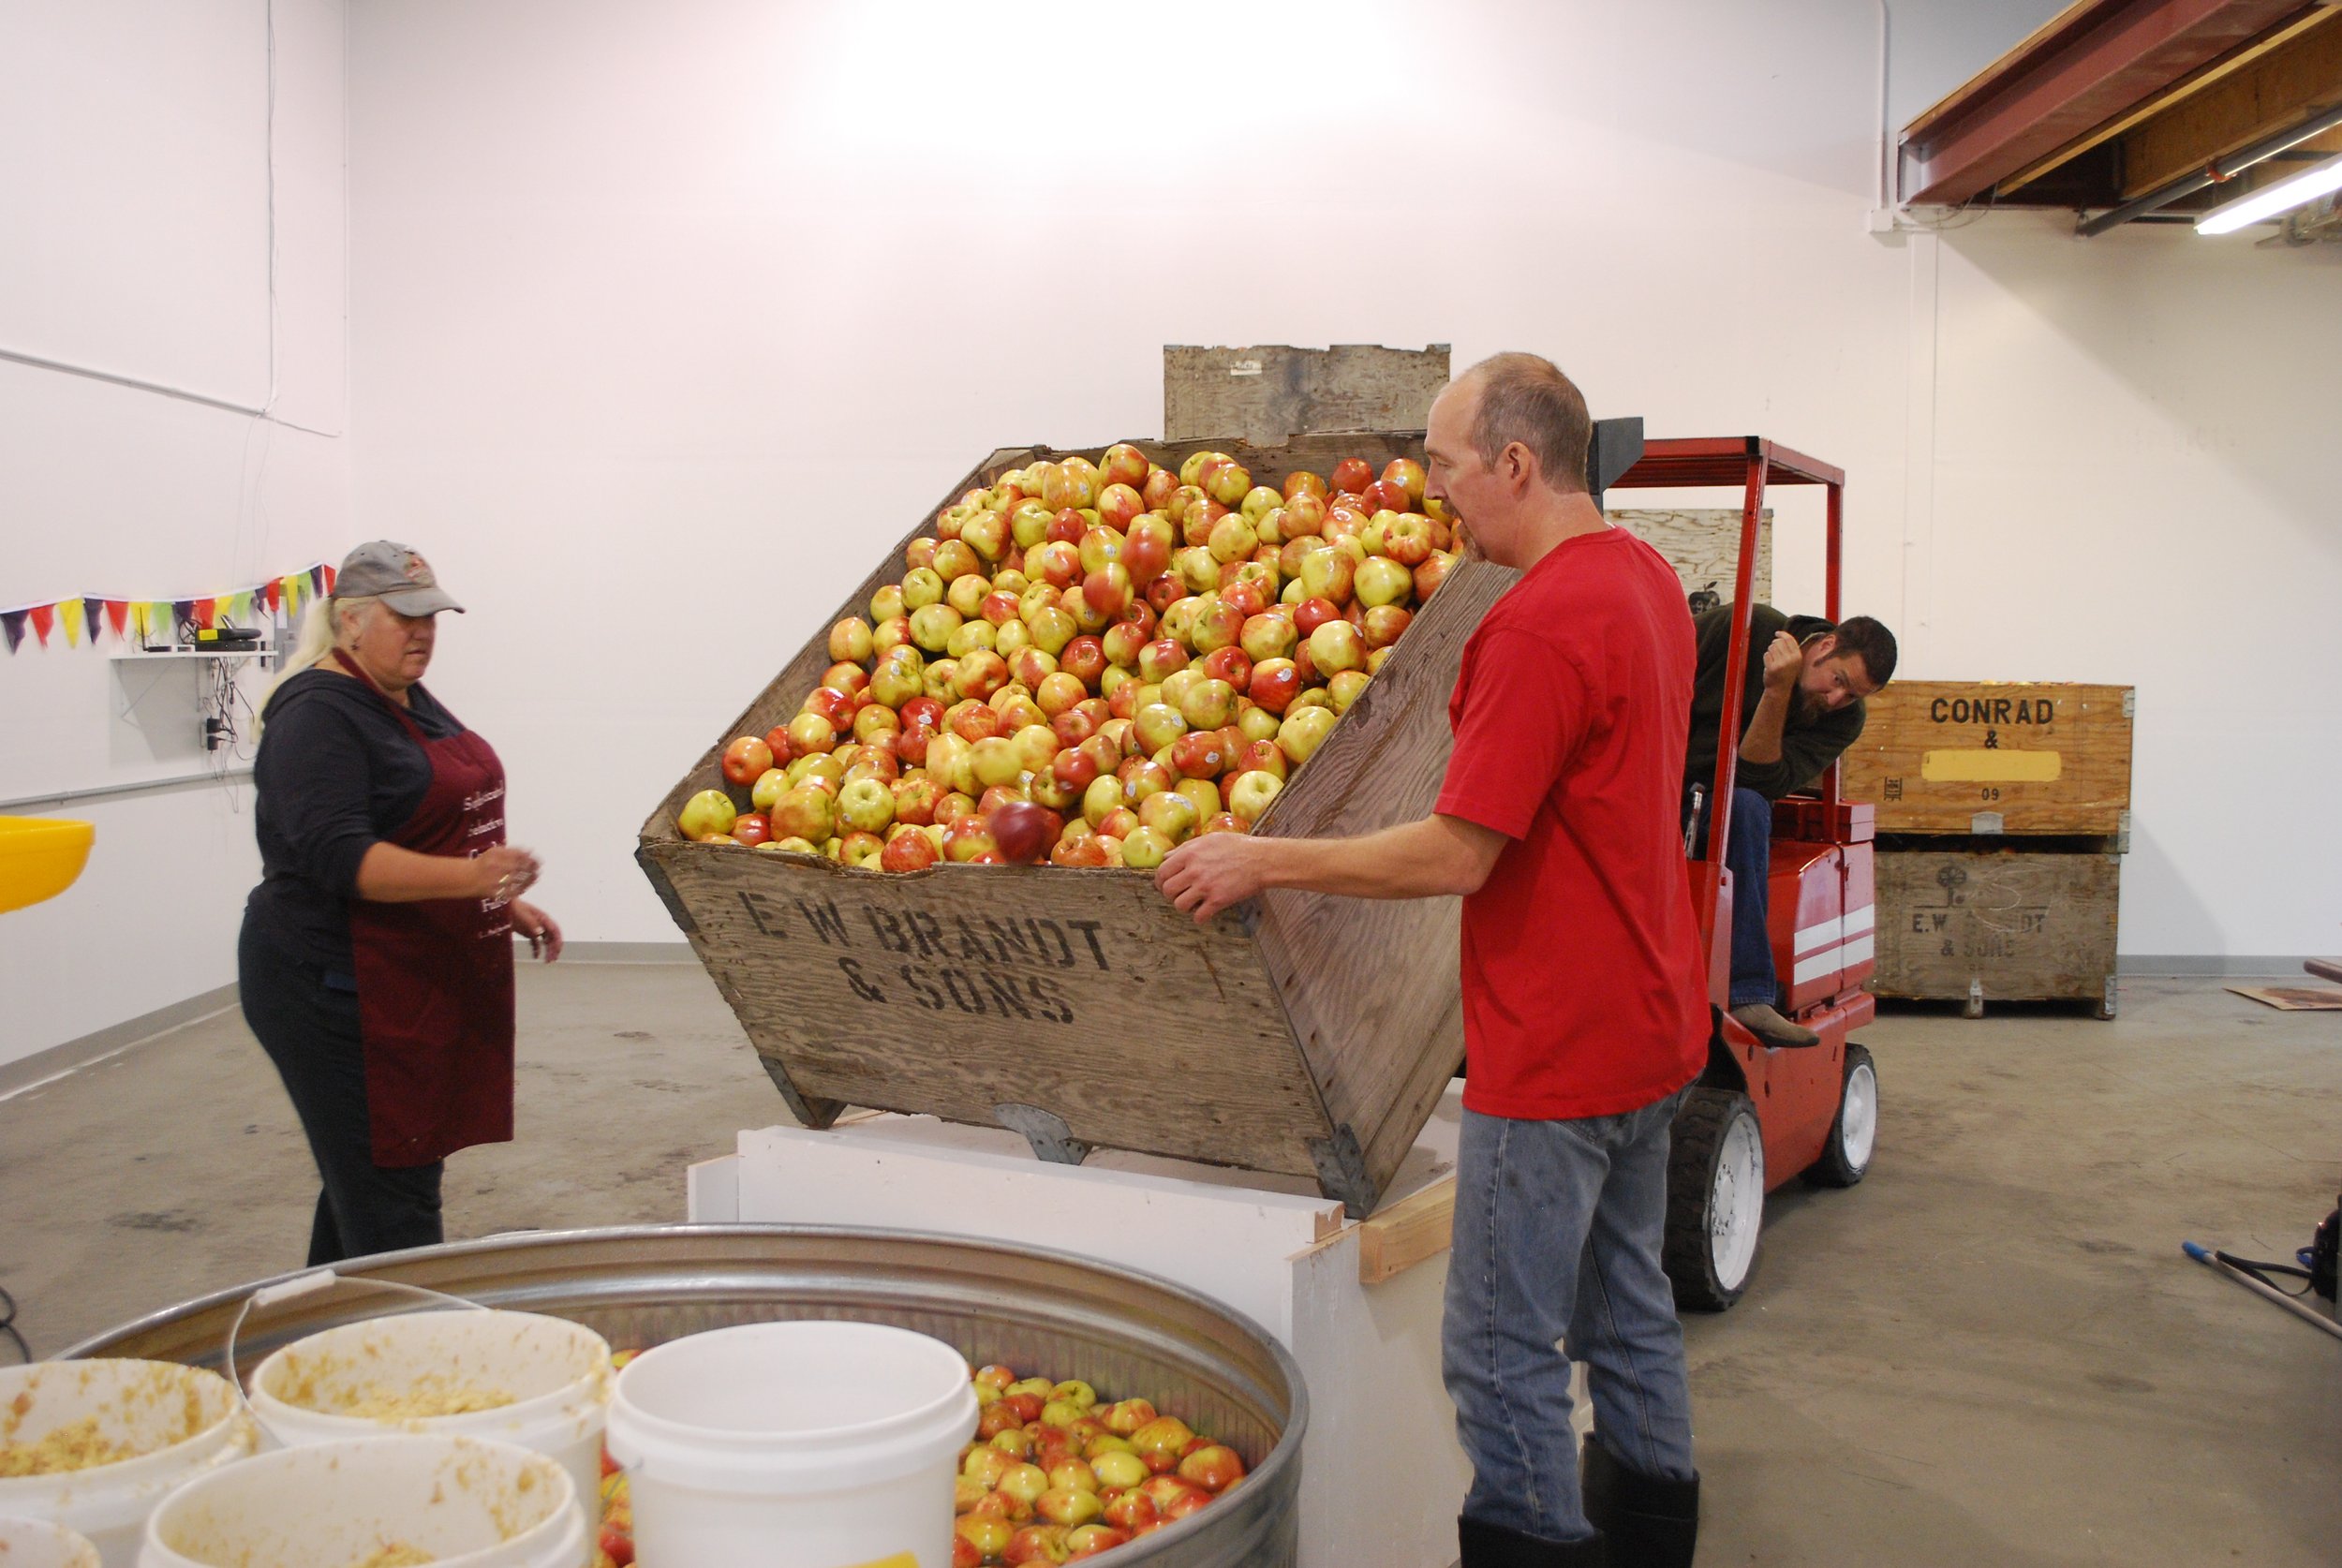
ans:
x=435 y=977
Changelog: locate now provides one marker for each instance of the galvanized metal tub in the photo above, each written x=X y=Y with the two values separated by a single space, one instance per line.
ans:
x=1126 y=1332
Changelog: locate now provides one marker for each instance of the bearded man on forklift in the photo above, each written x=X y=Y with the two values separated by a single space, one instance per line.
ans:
x=1585 y=1011
x=1807 y=680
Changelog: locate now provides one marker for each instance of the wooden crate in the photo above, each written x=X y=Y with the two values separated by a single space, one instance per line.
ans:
x=1078 y=1007
x=1702 y=545
x=1995 y=756
x=1270 y=393
x=1961 y=923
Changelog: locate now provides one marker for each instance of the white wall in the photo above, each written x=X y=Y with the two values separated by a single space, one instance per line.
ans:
x=665 y=322
x=140 y=158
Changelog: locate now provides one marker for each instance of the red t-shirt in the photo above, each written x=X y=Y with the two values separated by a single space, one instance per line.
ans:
x=1583 y=990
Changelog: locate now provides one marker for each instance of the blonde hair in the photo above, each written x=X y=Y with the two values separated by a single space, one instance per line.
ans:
x=321 y=629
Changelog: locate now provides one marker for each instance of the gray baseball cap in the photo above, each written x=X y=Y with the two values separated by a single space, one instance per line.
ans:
x=395 y=574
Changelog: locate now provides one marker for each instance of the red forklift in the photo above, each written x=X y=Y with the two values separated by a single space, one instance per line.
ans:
x=1759 y=1117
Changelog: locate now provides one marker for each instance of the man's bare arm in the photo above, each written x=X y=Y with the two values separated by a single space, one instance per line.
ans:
x=1434 y=857
x=1761 y=741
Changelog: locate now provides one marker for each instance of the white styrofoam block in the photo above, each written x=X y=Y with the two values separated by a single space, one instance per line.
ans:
x=712 y=1190
x=1230 y=1243
x=1382 y=1477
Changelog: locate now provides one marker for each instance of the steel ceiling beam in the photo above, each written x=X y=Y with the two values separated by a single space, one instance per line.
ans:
x=2087 y=66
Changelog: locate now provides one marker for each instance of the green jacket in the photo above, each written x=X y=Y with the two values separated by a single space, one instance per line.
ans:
x=1806 y=748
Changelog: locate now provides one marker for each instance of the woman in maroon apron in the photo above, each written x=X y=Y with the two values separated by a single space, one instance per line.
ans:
x=376 y=961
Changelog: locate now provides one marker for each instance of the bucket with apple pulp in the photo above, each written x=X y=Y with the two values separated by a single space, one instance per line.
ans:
x=96 y=1446
x=539 y=1382
x=374 y=1502
x=830 y=1444
x=39 y=1544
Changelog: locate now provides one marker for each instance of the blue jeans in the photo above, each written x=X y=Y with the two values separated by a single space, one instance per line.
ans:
x=1557 y=1239
x=1748 y=855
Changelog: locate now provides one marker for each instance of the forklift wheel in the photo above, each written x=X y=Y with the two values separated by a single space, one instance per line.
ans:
x=1854 y=1134
x=1715 y=1199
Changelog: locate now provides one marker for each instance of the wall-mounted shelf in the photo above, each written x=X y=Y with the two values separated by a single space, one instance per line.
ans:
x=142 y=656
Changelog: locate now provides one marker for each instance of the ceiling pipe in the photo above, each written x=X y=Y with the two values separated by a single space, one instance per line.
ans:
x=2212 y=173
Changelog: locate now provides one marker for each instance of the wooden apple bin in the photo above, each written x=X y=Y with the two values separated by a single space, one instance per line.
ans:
x=1310 y=1036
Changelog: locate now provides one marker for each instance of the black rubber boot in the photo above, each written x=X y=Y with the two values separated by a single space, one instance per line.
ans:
x=1650 y=1522
x=1487 y=1546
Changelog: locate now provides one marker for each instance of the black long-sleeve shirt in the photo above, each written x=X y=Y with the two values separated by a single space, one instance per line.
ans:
x=337 y=774
x=1807 y=746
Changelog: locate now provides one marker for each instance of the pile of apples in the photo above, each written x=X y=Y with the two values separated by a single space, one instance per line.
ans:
x=1054 y=1476
x=1091 y=663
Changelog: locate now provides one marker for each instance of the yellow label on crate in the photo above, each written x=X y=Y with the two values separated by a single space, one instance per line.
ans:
x=900 y=1559
x=1991 y=766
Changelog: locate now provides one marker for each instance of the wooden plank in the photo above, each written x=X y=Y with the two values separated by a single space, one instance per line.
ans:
x=2283 y=87
x=1269 y=392
x=2187 y=86
x=2001 y=925
x=1702 y=545
x=2091 y=62
x=1995 y=757
x=1414 y=1230
x=1371 y=986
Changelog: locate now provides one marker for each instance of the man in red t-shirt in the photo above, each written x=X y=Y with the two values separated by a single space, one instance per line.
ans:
x=1585 y=1017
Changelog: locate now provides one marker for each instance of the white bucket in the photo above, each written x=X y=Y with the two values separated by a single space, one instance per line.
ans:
x=555 y=1374
x=456 y=1502
x=176 y=1421
x=816 y=1444
x=39 y=1544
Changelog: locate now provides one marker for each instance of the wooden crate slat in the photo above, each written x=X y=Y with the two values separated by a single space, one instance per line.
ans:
x=1268 y=392
x=1703 y=545
x=1369 y=982
x=1995 y=757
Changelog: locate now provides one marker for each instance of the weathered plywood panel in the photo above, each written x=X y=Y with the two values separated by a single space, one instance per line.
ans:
x=1268 y=392
x=1995 y=757
x=1703 y=545
x=2006 y=924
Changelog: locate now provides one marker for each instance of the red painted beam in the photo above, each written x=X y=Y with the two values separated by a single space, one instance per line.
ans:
x=2091 y=64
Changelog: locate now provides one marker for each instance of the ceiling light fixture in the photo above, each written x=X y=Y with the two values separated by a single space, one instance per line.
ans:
x=2290 y=192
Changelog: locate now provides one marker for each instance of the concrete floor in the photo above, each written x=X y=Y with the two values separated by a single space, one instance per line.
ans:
x=1992 y=1352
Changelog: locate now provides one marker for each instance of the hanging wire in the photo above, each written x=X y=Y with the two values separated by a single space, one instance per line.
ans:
x=8 y=1326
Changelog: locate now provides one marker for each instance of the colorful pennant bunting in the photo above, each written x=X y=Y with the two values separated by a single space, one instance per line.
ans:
x=88 y=616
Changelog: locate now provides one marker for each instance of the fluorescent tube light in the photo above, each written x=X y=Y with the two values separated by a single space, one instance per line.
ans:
x=2286 y=194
